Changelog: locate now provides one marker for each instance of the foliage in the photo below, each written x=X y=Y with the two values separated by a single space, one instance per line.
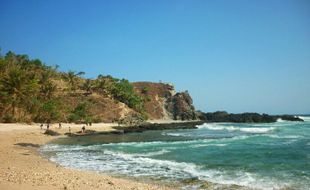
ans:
x=17 y=87
x=124 y=92
x=31 y=90
x=72 y=78
x=120 y=90
x=49 y=111
x=25 y=85
x=145 y=90
x=80 y=114
x=88 y=86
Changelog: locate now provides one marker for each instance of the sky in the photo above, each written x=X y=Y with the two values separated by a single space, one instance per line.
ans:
x=238 y=56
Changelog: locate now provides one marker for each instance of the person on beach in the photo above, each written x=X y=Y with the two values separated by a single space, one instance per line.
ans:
x=41 y=126
x=47 y=126
x=59 y=126
x=83 y=129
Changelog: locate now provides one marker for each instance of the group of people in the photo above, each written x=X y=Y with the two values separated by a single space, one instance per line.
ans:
x=48 y=126
x=60 y=126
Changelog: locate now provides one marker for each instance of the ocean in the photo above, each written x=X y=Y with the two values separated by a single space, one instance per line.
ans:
x=216 y=155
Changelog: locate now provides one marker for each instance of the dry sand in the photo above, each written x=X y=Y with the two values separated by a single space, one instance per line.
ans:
x=21 y=166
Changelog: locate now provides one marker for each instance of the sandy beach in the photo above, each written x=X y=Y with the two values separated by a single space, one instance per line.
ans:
x=22 y=167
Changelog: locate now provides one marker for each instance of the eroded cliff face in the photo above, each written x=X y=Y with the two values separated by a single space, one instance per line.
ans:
x=162 y=102
x=180 y=106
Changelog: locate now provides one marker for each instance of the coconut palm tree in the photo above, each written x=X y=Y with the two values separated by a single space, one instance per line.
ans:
x=47 y=88
x=72 y=77
x=17 y=88
x=88 y=86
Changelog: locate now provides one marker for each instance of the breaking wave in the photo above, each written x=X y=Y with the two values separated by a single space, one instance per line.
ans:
x=234 y=128
x=141 y=165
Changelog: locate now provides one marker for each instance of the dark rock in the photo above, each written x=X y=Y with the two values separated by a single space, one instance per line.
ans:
x=93 y=133
x=160 y=126
x=134 y=119
x=51 y=133
x=181 y=106
x=222 y=116
x=28 y=145
x=289 y=118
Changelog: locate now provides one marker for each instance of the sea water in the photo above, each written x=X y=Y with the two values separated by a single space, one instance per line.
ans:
x=245 y=156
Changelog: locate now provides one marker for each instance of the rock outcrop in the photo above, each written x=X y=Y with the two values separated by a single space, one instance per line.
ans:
x=159 y=126
x=180 y=106
x=162 y=102
x=223 y=116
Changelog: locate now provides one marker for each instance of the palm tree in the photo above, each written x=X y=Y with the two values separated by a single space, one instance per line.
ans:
x=88 y=86
x=105 y=84
x=17 y=88
x=71 y=77
x=47 y=88
x=100 y=84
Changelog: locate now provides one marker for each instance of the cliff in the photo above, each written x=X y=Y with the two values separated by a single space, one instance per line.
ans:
x=163 y=102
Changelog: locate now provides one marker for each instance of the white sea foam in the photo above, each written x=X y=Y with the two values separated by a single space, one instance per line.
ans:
x=137 y=165
x=150 y=154
x=172 y=143
x=177 y=134
x=305 y=118
x=277 y=136
x=257 y=130
x=234 y=128
x=64 y=148
x=215 y=126
x=136 y=143
x=133 y=164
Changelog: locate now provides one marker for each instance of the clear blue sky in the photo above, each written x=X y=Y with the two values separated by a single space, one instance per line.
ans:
x=235 y=55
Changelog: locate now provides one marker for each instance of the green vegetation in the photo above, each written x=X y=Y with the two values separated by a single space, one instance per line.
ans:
x=80 y=114
x=145 y=90
x=32 y=91
x=72 y=77
x=120 y=90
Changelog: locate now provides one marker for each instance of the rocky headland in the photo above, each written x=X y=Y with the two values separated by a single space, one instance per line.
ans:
x=223 y=116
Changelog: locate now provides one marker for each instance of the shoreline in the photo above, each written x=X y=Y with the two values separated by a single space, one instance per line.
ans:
x=23 y=167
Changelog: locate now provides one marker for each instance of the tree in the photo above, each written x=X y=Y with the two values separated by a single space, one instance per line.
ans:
x=105 y=84
x=72 y=77
x=47 y=88
x=49 y=111
x=80 y=113
x=88 y=86
x=16 y=88
x=124 y=92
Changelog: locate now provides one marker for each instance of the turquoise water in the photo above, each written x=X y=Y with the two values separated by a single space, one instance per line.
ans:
x=254 y=156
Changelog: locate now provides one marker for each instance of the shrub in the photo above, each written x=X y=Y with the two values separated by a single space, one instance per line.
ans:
x=80 y=114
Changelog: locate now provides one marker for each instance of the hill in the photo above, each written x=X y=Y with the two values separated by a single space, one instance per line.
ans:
x=31 y=91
